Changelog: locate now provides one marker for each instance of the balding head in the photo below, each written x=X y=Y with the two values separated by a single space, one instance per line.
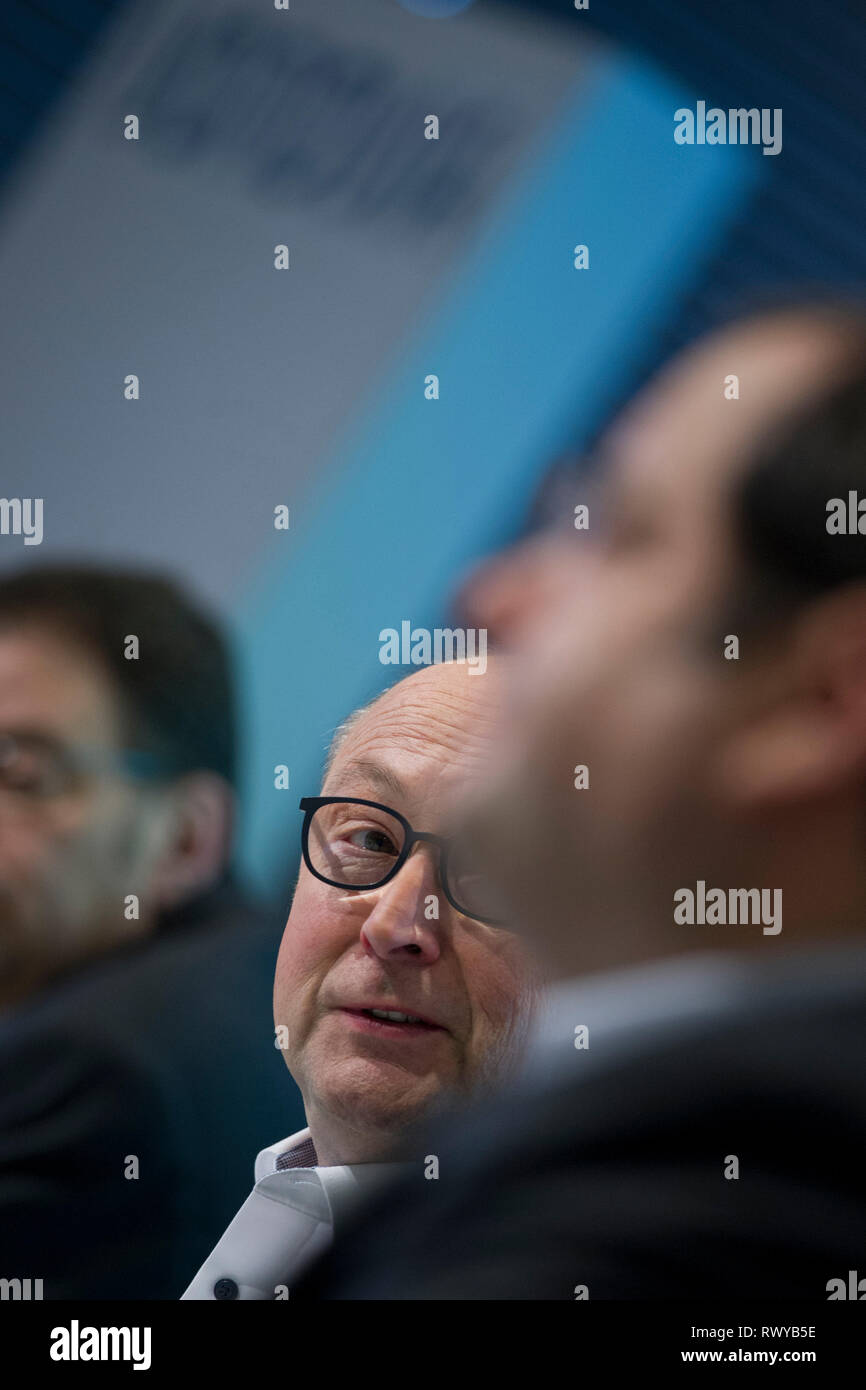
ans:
x=442 y=707
x=403 y=947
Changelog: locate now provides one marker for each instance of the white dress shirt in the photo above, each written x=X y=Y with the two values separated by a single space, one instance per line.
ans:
x=287 y=1220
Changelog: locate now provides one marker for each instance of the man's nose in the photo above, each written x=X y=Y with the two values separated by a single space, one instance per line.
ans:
x=514 y=591
x=401 y=922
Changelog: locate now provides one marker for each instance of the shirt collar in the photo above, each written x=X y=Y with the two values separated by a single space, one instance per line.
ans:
x=295 y=1160
x=302 y=1154
x=297 y=1151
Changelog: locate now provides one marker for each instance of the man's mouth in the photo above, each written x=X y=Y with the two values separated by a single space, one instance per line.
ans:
x=391 y=1021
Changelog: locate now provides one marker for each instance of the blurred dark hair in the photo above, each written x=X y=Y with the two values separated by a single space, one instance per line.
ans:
x=178 y=698
x=817 y=453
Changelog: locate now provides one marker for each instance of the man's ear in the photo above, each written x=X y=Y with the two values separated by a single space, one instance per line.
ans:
x=811 y=741
x=197 y=838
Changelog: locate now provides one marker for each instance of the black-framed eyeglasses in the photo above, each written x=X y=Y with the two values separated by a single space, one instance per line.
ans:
x=352 y=843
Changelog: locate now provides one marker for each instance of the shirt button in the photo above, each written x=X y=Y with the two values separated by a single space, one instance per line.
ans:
x=225 y=1288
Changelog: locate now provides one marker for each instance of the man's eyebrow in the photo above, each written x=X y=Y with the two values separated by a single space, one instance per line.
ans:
x=374 y=773
x=36 y=735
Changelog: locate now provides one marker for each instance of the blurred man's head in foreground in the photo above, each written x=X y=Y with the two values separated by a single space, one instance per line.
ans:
x=349 y=957
x=116 y=763
x=701 y=651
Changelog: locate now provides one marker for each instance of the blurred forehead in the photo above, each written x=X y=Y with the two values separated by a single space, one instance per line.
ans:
x=684 y=437
x=428 y=733
x=51 y=684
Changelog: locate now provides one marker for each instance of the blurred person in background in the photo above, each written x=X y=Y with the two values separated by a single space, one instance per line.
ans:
x=693 y=1119
x=394 y=991
x=136 y=1068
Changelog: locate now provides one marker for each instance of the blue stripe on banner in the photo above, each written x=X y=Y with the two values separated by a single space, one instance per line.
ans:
x=526 y=348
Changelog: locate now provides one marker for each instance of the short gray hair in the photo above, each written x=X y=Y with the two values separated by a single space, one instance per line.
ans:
x=342 y=732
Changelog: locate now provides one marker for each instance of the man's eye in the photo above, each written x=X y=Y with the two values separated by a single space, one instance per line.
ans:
x=20 y=779
x=374 y=841
x=25 y=772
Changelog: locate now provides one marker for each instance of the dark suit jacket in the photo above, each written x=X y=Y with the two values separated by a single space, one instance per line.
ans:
x=614 y=1177
x=162 y=1050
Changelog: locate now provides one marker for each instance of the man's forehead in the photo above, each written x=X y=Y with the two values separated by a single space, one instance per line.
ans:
x=368 y=773
x=51 y=682
x=414 y=731
x=699 y=421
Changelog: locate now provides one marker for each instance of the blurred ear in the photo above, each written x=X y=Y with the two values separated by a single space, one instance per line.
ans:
x=812 y=743
x=197 y=838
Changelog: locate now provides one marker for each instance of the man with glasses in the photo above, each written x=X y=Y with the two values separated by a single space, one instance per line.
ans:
x=130 y=961
x=693 y=1125
x=397 y=987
